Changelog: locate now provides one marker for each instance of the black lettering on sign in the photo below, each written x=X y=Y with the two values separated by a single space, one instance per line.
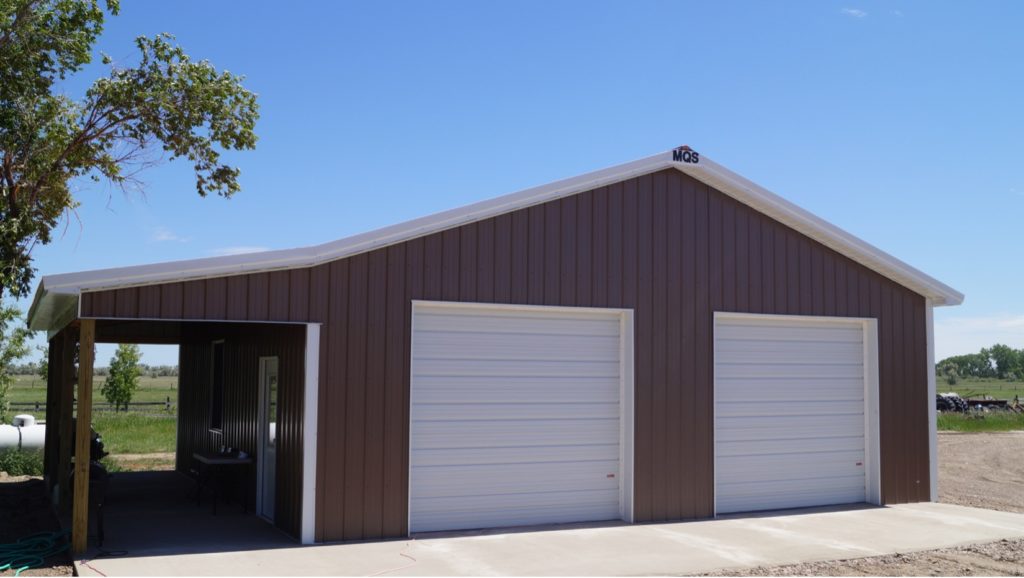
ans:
x=685 y=155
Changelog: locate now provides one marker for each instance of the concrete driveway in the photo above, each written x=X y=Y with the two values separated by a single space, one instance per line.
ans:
x=678 y=548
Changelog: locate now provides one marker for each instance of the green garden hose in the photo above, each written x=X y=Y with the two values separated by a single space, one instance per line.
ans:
x=32 y=551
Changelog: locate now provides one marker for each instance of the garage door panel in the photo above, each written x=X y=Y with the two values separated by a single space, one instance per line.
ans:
x=782 y=495
x=803 y=408
x=521 y=368
x=515 y=417
x=505 y=389
x=788 y=389
x=761 y=351
x=586 y=325
x=513 y=454
x=530 y=347
x=484 y=512
x=488 y=433
x=769 y=428
x=794 y=466
x=784 y=330
x=431 y=412
x=789 y=413
x=780 y=370
x=502 y=479
x=518 y=411
x=789 y=445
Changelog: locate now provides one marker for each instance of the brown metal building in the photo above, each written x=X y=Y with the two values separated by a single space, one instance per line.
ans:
x=660 y=340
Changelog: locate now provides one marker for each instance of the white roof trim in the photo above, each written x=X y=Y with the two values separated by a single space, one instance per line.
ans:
x=48 y=308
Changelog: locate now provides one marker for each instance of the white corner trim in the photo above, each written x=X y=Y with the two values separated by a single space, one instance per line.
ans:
x=53 y=290
x=933 y=434
x=310 y=425
x=872 y=414
x=627 y=460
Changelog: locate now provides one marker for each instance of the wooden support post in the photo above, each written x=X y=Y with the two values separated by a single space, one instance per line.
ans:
x=83 y=429
x=68 y=337
x=51 y=449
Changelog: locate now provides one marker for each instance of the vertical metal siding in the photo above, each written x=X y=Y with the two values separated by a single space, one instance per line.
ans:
x=667 y=246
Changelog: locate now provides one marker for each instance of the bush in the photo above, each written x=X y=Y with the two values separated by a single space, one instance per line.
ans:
x=19 y=463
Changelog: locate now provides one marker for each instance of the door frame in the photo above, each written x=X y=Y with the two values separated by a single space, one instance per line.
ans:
x=262 y=431
x=872 y=432
x=626 y=389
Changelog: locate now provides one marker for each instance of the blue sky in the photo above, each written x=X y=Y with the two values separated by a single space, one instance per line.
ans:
x=900 y=122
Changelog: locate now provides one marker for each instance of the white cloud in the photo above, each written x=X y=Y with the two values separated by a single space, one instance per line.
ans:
x=163 y=234
x=240 y=250
x=959 y=335
x=854 y=12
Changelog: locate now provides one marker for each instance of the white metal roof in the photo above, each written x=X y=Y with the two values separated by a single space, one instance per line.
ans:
x=56 y=298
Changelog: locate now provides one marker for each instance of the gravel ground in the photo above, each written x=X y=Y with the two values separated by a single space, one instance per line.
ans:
x=981 y=470
x=1002 y=558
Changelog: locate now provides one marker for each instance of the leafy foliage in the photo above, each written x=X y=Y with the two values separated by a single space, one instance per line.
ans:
x=999 y=361
x=43 y=368
x=166 y=105
x=949 y=372
x=123 y=380
x=21 y=463
x=13 y=346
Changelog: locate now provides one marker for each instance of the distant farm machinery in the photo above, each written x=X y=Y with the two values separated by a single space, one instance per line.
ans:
x=952 y=402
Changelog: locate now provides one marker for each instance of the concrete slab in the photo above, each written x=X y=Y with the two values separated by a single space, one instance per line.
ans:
x=612 y=549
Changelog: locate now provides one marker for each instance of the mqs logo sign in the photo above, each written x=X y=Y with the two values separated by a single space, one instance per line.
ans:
x=685 y=154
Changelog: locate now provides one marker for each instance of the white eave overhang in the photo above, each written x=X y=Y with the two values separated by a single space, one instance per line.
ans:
x=56 y=299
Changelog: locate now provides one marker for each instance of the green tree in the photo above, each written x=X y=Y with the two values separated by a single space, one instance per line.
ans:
x=43 y=369
x=971 y=365
x=123 y=378
x=164 y=105
x=1007 y=360
x=949 y=372
x=13 y=346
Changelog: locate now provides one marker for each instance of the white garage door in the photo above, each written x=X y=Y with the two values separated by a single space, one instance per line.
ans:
x=790 y=427
x=515 y=416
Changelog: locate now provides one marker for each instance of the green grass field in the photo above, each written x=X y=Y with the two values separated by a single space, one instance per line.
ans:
x=981 y=422
x=31 y=389
x=997 y=388
x=131 y=433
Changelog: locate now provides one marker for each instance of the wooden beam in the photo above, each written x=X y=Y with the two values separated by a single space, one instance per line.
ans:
x=69 y=338
x=80 y=515
x=51 y=451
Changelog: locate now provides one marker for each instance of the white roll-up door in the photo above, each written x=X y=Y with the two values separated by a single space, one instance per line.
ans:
x=791 y=425
x=516 y=416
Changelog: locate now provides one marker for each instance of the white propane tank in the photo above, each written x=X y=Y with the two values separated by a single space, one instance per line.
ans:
x=24 y=434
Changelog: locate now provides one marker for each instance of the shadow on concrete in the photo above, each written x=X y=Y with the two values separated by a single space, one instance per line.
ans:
x=800 y=511
x=620 y=523
x=155 y=514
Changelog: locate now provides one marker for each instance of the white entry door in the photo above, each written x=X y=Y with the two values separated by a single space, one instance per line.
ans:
x=519 y=415
x=267 y=458
x=795 y=412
